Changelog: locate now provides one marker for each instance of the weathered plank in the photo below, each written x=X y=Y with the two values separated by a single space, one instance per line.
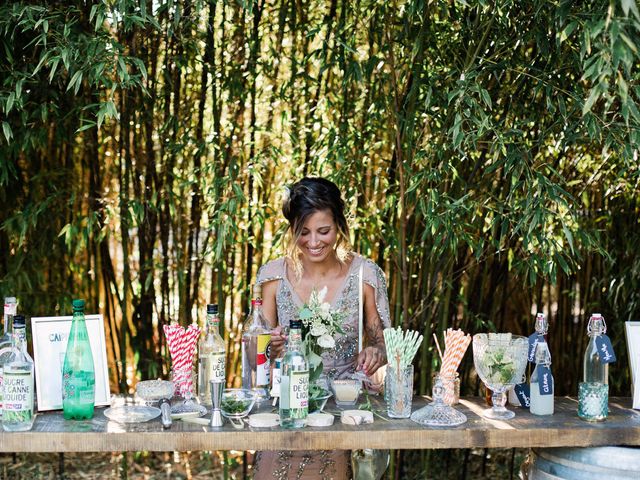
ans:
x=51 y=433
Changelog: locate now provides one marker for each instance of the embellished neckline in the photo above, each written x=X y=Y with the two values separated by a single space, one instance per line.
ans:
x=339 y=292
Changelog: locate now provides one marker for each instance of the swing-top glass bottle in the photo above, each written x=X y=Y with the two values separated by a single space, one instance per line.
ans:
x=593 y=393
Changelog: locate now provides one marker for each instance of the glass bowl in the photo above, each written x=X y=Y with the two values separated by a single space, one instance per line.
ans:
x=318 y=402
x=154 y=390
x=346 y=391
x=237 y=402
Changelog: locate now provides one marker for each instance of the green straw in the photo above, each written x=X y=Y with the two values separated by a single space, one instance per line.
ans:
x=401 y=346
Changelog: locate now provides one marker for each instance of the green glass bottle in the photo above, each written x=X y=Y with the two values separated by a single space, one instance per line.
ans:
x=78 y=372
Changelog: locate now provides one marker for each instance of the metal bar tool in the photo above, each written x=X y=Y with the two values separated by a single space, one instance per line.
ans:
x=216 y=400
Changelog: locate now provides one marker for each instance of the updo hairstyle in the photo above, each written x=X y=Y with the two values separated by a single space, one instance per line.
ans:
x=306 y=197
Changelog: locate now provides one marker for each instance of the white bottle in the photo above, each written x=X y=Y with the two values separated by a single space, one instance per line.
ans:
x=18 y=388
x=211 y=356
x=542 y=404
x=6 y=340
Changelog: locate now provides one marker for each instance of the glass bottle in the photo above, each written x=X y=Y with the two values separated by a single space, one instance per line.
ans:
x=18 y=388
x=256 y=339
x=78 y=371
x=211 y=356
x=294 y=381
x=6 y=341
x=542 y=404
x=593 y=394
x=541 y=329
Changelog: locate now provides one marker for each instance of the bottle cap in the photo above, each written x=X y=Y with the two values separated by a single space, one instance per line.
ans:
x=295 y=323
x=257 y=290
x=10 y=300
x=18 y=321
x=597 y=324
x=78 y=304
x=212 y=309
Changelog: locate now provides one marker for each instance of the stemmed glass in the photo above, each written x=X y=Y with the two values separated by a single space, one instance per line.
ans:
x=183 y=379
x=500 y=360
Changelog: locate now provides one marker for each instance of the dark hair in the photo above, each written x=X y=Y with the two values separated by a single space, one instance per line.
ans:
x=311 y=195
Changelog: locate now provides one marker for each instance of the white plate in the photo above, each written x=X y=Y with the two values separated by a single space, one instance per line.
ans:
x=264 y=420
x=132 y=413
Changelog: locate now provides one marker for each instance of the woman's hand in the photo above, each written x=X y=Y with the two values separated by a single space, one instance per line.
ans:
x=371 y=359
x=278 y=341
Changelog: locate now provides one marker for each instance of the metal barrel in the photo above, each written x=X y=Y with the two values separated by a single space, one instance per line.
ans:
x=597 y=463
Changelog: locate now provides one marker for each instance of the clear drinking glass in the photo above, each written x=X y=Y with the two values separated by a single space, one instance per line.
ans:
x=500 y=360
x=184 y=381
x=593 y=401
x=399 y=392
x=451 y=386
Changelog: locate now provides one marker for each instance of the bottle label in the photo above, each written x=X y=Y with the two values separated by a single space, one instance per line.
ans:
x=605 y=349
x=18 y=393
x=217 y=367
x=262 y=360
x=534 y=339
x=523 y=392
x=545 y=380
x=79 y=386
x=299 y=389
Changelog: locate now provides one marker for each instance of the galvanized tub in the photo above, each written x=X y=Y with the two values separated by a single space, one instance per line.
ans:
x=597 y=463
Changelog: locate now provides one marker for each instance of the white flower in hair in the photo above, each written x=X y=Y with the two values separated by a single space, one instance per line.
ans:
x=286 y=193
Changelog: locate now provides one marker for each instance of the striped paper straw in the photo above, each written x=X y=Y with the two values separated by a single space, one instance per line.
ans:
x=456 y=343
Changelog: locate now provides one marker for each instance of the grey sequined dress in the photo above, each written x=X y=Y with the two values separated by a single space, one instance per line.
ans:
x=337 y=363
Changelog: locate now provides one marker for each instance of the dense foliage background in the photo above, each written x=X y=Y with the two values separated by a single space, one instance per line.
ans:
x=487 y=150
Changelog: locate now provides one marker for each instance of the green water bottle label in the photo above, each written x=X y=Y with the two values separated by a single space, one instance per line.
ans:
x=79 y=386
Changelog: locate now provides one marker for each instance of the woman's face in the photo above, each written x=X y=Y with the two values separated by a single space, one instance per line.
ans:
x=318 y=236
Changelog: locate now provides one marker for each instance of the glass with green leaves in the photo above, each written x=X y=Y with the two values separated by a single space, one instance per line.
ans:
x=500 y=360
x=320 y=325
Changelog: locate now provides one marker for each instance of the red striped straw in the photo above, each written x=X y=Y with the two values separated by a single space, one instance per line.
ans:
x=182 y=347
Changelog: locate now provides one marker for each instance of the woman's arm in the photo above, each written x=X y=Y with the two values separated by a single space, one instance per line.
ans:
x=269 y=302
x=373 y=356
x=278 y=340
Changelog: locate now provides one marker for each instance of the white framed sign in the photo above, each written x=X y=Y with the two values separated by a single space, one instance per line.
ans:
x=50 y=335
x=632 y=329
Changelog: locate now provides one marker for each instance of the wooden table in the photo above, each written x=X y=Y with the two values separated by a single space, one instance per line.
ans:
x=51 y=433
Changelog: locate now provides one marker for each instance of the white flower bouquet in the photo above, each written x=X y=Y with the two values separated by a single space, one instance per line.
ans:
x=320 y=324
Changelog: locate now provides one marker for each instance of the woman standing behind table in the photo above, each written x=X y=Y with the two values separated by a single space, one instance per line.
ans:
x=318 y=257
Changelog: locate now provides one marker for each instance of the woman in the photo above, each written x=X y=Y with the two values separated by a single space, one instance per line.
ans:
x=318 y=257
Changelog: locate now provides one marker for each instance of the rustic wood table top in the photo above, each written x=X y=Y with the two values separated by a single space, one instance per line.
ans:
x=51 y=433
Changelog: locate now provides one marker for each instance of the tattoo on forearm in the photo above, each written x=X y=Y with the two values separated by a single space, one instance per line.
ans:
x=375 y=335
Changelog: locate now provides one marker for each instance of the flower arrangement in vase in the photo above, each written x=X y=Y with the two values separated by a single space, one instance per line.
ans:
x=320 y=324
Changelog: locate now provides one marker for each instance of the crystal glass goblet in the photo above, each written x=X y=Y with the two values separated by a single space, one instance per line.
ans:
x=500 y=360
